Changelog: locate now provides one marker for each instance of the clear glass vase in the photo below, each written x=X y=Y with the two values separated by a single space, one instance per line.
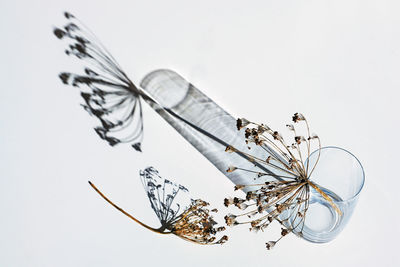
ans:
x=340 y=174
x=210 y=129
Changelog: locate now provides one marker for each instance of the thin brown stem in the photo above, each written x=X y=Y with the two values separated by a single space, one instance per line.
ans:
x=326 y=197
x=159 y=231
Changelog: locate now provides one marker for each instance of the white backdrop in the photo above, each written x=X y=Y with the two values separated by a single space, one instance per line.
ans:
x=337 y=62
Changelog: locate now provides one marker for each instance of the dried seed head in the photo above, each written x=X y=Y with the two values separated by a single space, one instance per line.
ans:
x=299 y=139
x=255 y=222
x=240 y=123
x=270 y=244
x=284 y=231
x=237 y=200
x=228 y=201
x=230 y=220
x=276 y=136
x=194 y=223
x=298 y=117
x=286 y=196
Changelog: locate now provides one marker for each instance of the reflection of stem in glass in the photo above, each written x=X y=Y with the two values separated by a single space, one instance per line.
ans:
x=326 y=197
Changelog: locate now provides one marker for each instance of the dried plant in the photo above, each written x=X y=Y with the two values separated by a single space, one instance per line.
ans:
x=285 y=193
x=193 y=223
x=107 y=91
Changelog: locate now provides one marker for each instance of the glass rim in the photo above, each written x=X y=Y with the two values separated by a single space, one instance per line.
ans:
x=362 y=169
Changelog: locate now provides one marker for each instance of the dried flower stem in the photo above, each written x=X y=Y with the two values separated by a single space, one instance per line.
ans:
x=285 y=199
x=159 y=230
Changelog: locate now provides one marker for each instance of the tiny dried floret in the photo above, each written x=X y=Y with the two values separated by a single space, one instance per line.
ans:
x=299 y=139
x=242 y=122
x=270 y=244
x=298 y=117
x=230 y=220
x=276 y=136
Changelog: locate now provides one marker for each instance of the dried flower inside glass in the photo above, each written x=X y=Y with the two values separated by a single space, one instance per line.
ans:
x=193 y=222
x=285 y=195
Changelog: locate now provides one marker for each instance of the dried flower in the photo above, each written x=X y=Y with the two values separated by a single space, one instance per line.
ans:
x=193 y=223
x=107 y=91
x=284 y=195
x=298 y=117
x=240 y=123
x=270 y=244
x=230 y=219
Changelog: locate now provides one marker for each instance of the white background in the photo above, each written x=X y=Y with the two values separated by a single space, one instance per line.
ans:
x=337 y=62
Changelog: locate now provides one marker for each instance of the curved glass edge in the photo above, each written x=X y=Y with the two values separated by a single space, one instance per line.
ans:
x=358 y=161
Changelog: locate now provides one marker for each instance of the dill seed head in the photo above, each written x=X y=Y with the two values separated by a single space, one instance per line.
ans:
x=192 y=222
x=284 y=194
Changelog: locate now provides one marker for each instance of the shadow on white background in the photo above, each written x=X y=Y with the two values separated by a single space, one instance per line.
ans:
x=336 y=62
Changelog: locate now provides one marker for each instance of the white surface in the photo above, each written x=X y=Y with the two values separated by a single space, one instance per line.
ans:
x=337 y=62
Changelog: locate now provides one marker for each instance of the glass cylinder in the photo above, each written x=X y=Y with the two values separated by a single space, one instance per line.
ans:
x=341 y=176
x=210 y=129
